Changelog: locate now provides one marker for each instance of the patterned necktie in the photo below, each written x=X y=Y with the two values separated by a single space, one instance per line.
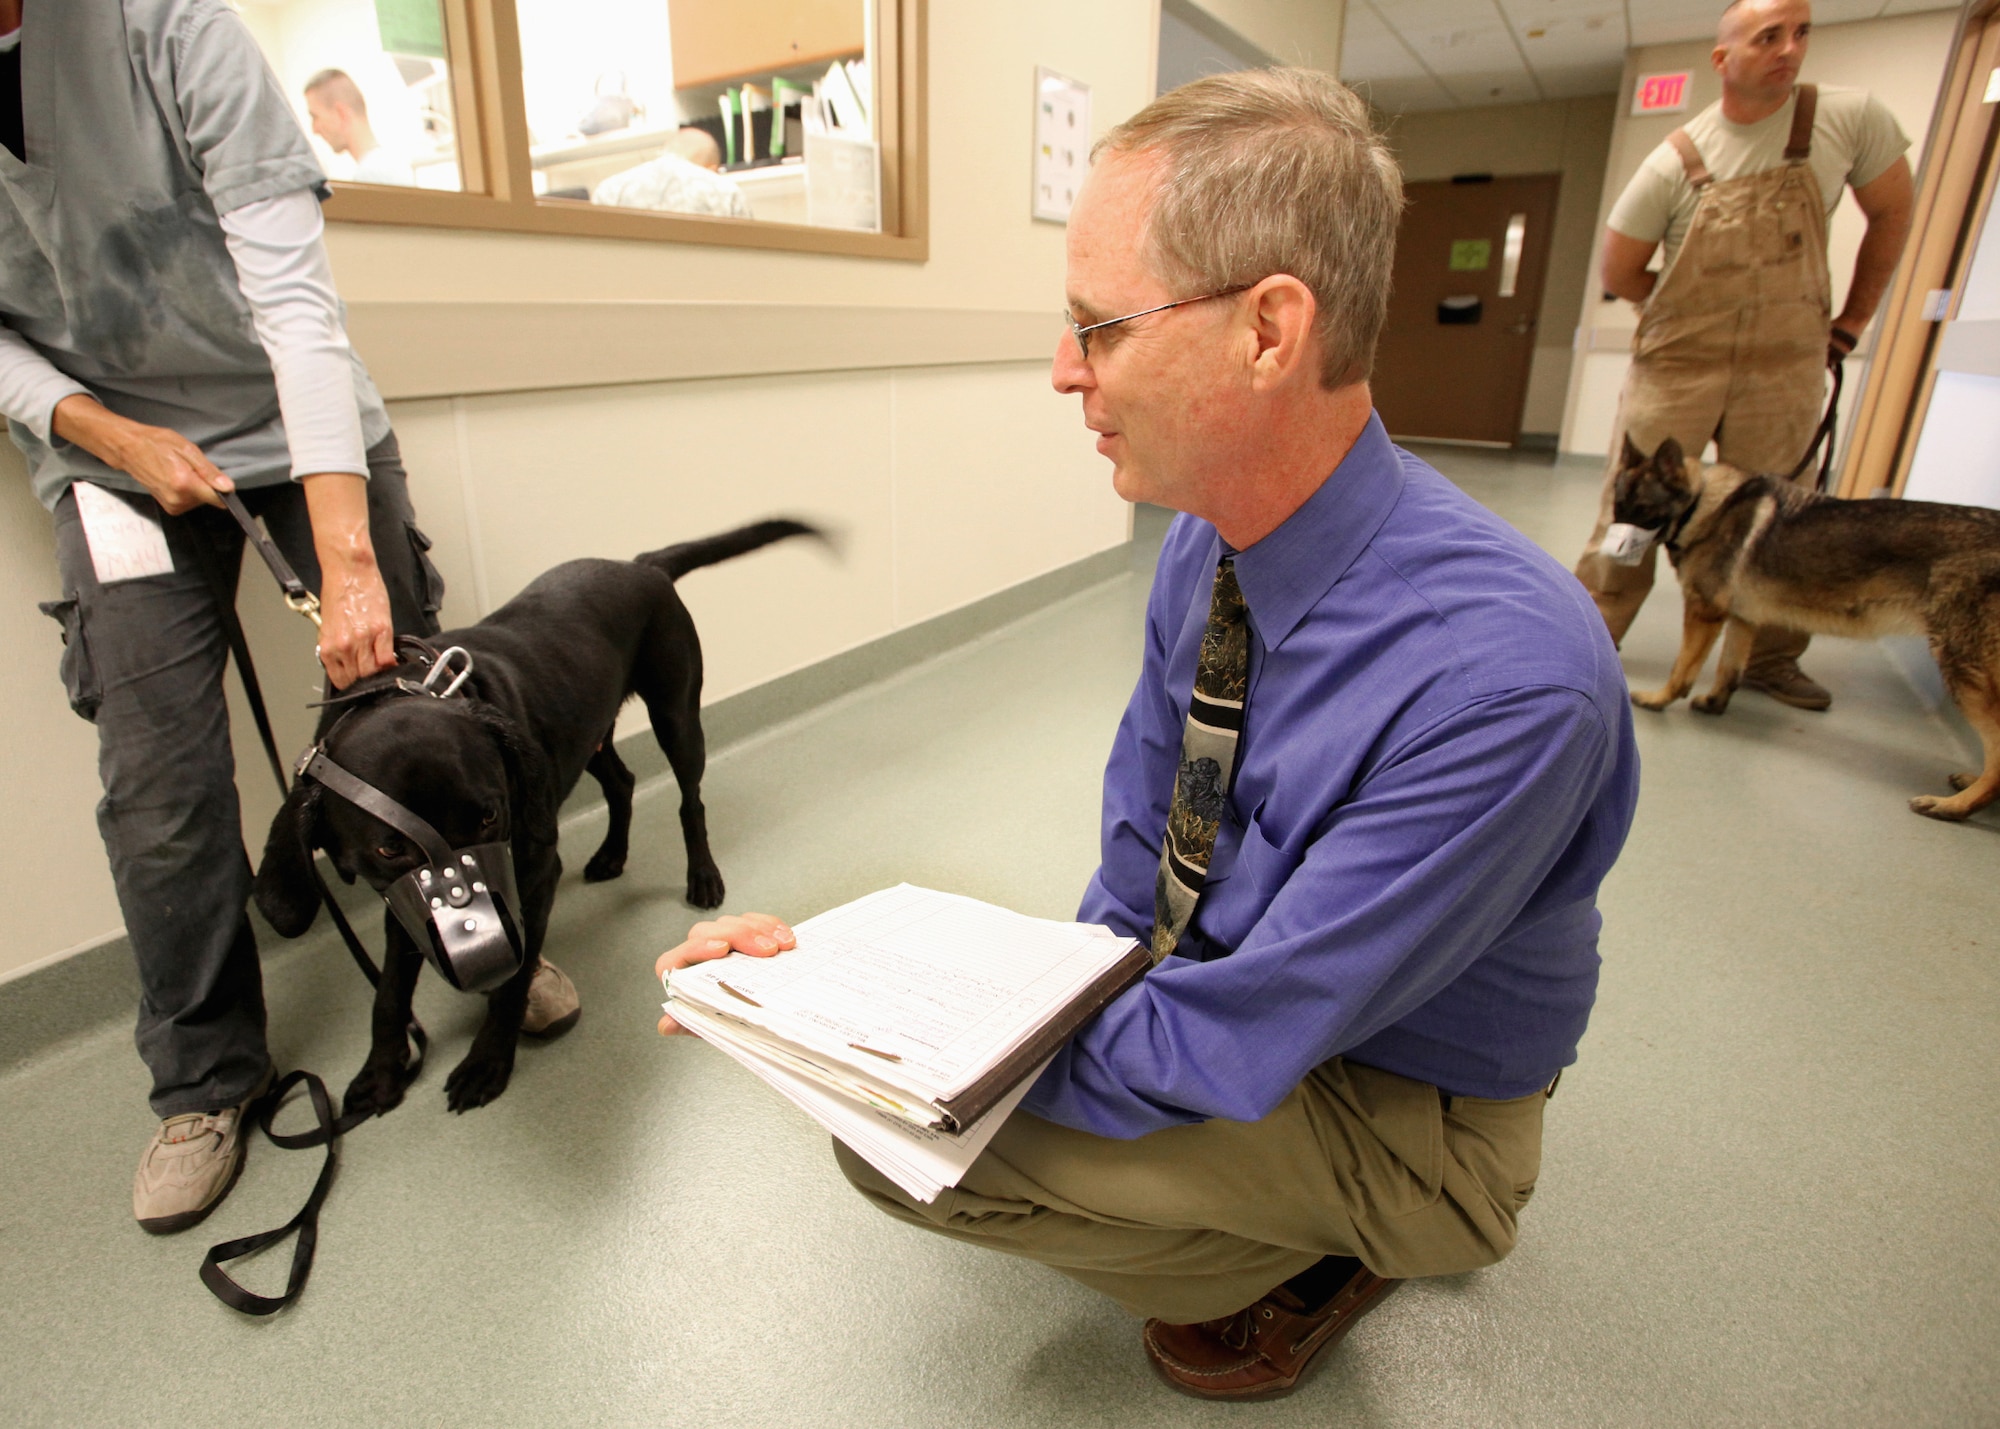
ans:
x=1208 y=759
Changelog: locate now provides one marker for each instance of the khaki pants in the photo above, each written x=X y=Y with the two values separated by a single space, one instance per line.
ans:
x=1195 y=1222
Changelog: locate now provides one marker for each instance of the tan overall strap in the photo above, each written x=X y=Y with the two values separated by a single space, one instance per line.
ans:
x=1698 y=175
x=1798 y=148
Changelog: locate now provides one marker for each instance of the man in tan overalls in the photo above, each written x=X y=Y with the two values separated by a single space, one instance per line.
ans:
x=1734 y=339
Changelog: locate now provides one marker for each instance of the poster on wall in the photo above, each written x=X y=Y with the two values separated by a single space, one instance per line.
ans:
x=1062 y=143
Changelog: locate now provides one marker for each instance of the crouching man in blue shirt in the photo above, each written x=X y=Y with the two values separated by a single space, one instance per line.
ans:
x=1377 y=763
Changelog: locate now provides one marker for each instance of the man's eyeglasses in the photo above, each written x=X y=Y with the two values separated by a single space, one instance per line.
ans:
x=1082 y=334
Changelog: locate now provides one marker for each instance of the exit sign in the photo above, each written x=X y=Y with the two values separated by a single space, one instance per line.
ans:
x=1661 y=93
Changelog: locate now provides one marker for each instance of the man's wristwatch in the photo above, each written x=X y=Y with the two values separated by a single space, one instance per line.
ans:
x=1839 y=343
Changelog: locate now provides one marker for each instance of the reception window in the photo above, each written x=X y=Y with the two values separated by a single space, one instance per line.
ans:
x=371 y=81
x=762 y=123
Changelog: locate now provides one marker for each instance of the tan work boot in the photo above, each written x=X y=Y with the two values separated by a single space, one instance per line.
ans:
x=189 y=1166
x=553 y=1006
x=1785 y=682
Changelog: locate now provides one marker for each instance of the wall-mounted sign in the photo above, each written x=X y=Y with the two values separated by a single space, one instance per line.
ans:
x=1661 y=93
x=1062 y=143
x=1471 y=255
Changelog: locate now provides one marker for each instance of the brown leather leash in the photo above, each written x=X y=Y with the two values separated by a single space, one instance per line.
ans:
x=328 y=1129
x=1823 y=437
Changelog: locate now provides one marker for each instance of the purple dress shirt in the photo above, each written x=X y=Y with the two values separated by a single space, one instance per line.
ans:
x=1436 y=771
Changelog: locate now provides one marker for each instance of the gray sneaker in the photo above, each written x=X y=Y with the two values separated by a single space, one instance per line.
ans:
x=189 y=1166
x=553 y=1006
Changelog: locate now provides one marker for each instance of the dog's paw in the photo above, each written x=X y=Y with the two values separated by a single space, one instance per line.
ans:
x=705 y=887
x=376 y=1090
x=1962 y=781
x=1712 y=704
x=1651 y=699
x=604 y=866
x=477 y=1080
x=1932 y=807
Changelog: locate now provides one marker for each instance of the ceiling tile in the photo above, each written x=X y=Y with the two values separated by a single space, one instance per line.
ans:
x=1563 y=33
x=1477 y=88
x=1400 y=96
x=1659 y=22
x=1370 y=50
x=1453 y=37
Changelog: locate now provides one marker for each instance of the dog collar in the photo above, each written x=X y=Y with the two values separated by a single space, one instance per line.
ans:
x=1670 y=534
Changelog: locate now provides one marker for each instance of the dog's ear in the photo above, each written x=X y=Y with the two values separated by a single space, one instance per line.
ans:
x=531 y=787
x=1632 y=456
x=1670 y=462
x=285 y=891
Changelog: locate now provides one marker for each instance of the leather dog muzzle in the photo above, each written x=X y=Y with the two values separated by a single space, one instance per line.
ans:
x=461 y=906
x=455 y=913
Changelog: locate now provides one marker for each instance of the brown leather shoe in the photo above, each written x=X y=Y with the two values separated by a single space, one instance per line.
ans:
x=1786 y=683
x=1261 y=1352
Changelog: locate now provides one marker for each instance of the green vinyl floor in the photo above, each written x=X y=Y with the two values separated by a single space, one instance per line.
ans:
x=1769 y=1194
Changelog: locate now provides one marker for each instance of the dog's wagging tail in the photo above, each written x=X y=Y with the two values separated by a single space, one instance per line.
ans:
x=678 y=560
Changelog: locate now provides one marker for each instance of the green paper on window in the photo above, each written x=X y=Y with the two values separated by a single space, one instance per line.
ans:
x=411 y=27
x=1468 y=255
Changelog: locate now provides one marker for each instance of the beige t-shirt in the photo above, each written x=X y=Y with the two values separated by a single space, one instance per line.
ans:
x=1854 y=141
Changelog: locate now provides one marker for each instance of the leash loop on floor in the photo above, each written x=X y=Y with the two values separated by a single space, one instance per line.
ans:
x=305 y=1223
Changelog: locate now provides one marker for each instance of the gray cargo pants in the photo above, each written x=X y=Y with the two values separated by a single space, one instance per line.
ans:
x=144 y=660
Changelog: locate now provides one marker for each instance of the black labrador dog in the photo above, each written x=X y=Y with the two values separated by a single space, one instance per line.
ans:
x=550 y=670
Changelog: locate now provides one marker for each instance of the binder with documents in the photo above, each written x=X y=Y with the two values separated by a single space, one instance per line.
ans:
x=916 y=1020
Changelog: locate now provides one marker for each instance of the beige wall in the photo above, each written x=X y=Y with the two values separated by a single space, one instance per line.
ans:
x=1901 y=60
x=1569 y=137
x=949 y=477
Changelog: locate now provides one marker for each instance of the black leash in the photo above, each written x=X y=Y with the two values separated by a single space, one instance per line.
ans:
x=1823 y=437
x=328 y=1128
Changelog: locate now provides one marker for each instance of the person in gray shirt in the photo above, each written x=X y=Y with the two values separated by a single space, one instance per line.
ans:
x=169 y=331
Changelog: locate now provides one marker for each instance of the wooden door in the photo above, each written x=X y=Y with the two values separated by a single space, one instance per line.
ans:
x=1470 y=259
x=1955 y=194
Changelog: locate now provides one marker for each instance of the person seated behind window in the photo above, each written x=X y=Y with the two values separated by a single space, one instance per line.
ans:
x=340 y=116
x=684 y=179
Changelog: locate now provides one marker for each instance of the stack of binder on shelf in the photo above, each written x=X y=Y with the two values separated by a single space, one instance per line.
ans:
x=909 y=1023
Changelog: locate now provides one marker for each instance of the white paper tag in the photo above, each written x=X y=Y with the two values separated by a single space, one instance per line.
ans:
x=125 y=545
x=1625 y=544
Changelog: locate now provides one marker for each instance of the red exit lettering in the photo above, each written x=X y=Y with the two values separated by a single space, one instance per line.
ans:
x=1662 y=93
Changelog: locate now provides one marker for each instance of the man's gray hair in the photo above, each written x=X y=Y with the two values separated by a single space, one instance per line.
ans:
x=1275 y=171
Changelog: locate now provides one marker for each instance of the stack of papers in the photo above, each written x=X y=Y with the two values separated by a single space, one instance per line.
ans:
x=909 y=1023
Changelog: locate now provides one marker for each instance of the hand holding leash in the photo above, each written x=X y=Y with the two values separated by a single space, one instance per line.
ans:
x=167 y=464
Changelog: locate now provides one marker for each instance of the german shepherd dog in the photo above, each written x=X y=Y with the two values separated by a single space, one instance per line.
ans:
x=1757 y=550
